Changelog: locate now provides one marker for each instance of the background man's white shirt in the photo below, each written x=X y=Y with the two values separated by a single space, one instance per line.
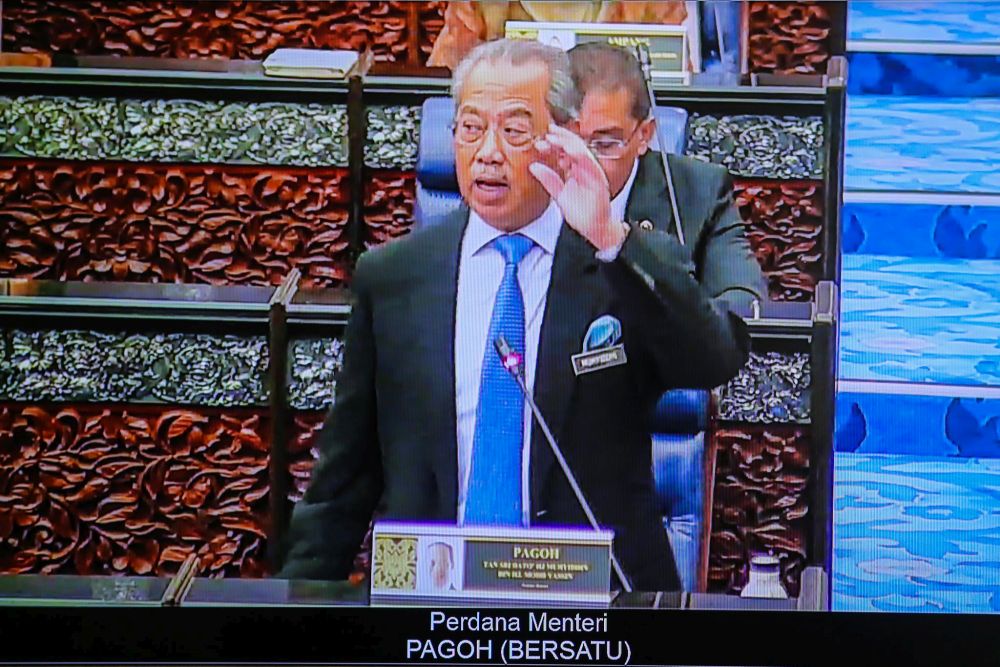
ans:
x=619 y=203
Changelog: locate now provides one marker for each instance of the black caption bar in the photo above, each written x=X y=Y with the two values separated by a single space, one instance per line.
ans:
x=383 y=636
x=518 y=638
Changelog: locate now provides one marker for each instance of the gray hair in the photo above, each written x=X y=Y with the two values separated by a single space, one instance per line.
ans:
x=563 y=98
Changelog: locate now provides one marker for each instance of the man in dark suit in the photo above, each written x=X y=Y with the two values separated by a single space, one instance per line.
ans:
x=427 y=424
x=615 y=122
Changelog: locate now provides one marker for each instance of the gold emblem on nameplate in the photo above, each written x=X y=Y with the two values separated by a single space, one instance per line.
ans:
x=396 y=563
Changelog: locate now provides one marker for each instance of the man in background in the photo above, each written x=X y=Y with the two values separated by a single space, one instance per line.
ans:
x=616 y=122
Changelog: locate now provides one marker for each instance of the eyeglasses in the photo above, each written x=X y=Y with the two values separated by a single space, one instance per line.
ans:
x=515 y=132
x=610 y=148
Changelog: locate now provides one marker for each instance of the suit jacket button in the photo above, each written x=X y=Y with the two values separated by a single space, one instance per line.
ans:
x=646 y=224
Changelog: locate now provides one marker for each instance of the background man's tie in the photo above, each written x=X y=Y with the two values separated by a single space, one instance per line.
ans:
x=494 y=492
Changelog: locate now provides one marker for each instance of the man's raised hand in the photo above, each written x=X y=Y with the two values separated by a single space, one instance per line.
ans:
x=579 y=187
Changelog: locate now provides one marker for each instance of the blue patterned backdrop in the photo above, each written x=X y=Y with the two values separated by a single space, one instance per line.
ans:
x=923 y=74
x=916 y=475
x=919 y=144
x=920 y=320
x=940 y=21
x=916 y=534
x=917 y=425
x=917 y=230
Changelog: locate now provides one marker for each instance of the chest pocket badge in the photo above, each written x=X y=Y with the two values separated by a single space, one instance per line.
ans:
x=601 y=348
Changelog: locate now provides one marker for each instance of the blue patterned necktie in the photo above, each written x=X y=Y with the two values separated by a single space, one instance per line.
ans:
x=494 y=492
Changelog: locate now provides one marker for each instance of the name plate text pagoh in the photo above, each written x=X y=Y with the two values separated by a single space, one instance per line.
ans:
x=433 y=563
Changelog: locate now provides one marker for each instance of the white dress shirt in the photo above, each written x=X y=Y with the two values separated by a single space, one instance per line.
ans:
x=620 y=202
x=480 y=271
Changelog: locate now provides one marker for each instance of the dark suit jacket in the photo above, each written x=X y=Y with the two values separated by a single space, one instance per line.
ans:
x=724 y=263
x=390 y=442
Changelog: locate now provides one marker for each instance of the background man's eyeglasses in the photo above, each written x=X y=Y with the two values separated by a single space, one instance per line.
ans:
x=610 y=148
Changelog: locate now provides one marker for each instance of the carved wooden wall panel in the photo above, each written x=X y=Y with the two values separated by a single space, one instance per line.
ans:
x=789 y=37
x=301 y=450
x=393 y=136
x=785 y=226
x=173 y=130
x=314 y=366
x=80 y=366
x=389 y=198
x=760 y=503
x=219 y=28
x=92 y=490
x=759 y=146
x=431 y=19
x=172 y=223
x=773 y=387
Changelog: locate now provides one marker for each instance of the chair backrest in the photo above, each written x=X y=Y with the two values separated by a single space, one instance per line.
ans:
x=679 y=420
x=680 y=462
x=437 y=184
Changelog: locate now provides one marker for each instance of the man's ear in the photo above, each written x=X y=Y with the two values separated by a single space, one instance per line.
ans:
x=647 y=130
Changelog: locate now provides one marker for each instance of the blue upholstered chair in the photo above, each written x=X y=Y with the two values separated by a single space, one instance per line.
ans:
x=678 y=432
x=680 y=417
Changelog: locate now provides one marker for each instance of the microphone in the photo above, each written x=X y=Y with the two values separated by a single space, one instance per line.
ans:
x=513 y=362
x=646 y=63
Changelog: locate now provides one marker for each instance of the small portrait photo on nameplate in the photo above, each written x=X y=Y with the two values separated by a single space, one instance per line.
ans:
x=440 y=564
x=421 y=563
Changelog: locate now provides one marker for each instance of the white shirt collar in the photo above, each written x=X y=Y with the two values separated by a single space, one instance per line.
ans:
x=543 y=230
x=620 y=201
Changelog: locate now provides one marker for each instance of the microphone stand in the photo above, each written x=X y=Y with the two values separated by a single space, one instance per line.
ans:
x=642 y=55
x=511 y=360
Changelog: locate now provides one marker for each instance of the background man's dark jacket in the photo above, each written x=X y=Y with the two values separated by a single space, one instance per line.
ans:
x=390 y=439
x=724 y=263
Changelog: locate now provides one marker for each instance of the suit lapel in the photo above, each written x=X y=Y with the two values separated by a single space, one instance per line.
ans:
x=433 y=306
x=569 y=308
x=649 y=199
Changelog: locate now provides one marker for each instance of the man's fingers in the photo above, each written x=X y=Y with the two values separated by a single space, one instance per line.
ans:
x=560 y=131
x=542 y=146
x=549 y=179
x=565 y=163
x=554 y=156
x=548 y=150
x=570 y=142
x=577 y=152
